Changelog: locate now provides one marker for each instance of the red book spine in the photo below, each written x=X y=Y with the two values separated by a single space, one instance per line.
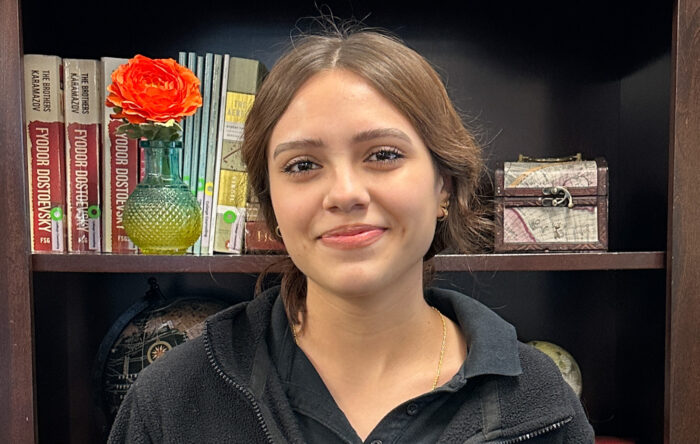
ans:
x=83 y=185
x=83 y=111
x=48 y=197
x=612 y=440
x=124 y=168
x=120 y=170
x=259 y=240
x=45 y=152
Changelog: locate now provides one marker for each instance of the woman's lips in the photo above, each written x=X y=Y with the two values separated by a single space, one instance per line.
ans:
x=352 y=237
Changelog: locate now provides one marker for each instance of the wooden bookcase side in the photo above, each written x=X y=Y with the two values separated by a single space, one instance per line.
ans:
x=682 y=400
x=18 y=406
x=17 y=394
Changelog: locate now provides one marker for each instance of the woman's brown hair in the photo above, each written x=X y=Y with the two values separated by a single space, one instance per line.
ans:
x=412 y=85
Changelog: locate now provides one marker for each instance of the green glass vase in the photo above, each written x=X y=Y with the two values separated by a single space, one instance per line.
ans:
x=162 y=216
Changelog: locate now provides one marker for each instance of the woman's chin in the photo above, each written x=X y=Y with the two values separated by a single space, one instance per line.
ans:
x=350 y=285
x=362 y=281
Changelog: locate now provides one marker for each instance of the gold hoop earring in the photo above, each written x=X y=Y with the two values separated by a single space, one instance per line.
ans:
x=277 y=230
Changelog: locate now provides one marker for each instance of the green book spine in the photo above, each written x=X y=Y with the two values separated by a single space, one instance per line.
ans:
x=203 y=137
x=217 y=155
x=182 y=60
x=211 y=151
x=194 y=151
x=188 y=133
x=194 y=154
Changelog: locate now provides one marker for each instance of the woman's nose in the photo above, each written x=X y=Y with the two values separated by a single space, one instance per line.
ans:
x=346 y=191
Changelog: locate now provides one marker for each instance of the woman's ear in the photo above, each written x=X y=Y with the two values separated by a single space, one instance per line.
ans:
x=445 y=183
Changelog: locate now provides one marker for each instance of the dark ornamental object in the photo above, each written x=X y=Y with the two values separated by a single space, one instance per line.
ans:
x=141 y=335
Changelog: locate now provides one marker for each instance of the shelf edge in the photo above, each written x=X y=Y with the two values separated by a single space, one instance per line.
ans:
x=105 y=263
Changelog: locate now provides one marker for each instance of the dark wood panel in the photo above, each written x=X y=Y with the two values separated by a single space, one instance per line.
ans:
x=683 y=296
x=567 y=33
x=106 y=263
x=17 y=409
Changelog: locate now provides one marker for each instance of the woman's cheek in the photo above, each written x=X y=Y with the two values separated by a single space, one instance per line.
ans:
x=292 y=212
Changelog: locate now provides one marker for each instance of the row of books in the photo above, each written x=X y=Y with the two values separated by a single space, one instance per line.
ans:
x=81 y=171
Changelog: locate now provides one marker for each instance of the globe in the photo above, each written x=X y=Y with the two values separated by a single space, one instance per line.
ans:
x=566 y=363
x=146 y=337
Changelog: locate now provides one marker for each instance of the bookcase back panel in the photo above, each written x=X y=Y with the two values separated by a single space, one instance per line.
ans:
x=613 y=324
x=73 y=312
x=607 y=320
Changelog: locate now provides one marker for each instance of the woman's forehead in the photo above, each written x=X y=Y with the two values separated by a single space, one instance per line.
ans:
x=343 y=104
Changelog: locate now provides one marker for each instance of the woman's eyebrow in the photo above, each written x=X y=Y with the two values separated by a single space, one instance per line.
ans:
x=362 y=136
x=296 y=144
x=378 y=133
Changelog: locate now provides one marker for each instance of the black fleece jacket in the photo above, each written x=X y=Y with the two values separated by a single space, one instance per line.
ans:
x=223 y=388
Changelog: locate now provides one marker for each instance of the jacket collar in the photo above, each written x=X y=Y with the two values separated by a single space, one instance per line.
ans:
x=493 y=345
x=493 y=342
x=236 y=336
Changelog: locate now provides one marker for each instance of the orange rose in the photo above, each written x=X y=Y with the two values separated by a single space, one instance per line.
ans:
x=153 y=90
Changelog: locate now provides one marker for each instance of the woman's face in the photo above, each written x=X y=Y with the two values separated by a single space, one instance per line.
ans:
x=353 y=186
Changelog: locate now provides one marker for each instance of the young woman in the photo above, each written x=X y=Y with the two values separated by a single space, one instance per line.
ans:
x=364 y=170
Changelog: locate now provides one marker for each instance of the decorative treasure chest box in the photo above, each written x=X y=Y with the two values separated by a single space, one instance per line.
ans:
x=551 y=204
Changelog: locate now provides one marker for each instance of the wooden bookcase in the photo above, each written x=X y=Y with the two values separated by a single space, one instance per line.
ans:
x=619 y=81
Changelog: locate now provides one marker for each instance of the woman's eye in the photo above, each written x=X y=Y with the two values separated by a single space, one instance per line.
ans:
x=385 y=155
x=300 y=167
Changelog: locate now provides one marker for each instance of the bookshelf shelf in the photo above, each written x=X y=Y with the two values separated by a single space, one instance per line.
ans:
x=106 y=263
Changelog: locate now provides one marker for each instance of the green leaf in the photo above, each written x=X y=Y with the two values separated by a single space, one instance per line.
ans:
x=169 y=131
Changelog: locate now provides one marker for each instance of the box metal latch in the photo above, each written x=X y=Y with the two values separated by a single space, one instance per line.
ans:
x=560 y=196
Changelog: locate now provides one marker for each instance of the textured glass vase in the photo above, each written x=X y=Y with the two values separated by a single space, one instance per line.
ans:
x=162 y=215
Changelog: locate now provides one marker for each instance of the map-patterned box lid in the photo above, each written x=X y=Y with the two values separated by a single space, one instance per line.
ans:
x=530 y=177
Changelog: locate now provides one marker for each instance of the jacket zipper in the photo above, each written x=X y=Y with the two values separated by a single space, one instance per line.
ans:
x=249 y=396
x=538 y=432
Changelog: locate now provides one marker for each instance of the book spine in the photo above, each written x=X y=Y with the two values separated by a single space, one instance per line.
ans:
x=45 y=152
x=120 y=171
x=194 y=148
x=258 y=239
x=211 y=153
x=219 y=147
x=203 y=138
x=194 y=157
x=83 y=108
x=252 y=210
x=230 y=212
x=182 y=60
x=229 y=230
x=190 y=124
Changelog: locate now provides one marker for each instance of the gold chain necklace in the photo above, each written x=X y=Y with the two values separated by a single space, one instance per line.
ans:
x=442 y=347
